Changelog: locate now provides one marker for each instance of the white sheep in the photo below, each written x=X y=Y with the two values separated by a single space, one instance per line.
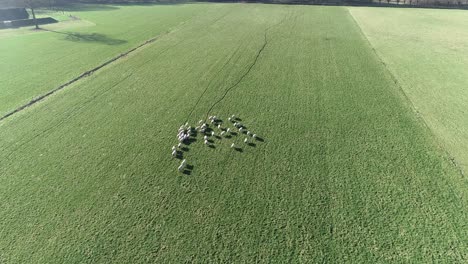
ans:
x=205 y=137
x=180 y=168
x=173 y=148
x=228 y=129
x=241 y=129
x=254 y=135
x=212 y=133
x=233 y=145
x=206 y=142
x=199 y=122
x=184 y=162
x=174 y=153
x=248 y=133
x=246 y=140
x=222 y=133
x=179 y=145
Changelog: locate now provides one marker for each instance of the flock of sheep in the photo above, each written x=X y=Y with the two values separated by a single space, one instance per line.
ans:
x=186 y=133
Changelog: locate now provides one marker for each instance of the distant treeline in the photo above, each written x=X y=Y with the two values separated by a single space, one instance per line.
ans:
x=393 y=3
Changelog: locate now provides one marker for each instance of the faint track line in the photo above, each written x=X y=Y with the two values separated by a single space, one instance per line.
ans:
x=249 y=69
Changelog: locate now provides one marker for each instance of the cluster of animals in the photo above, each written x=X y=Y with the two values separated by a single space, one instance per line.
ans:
x=187 y=133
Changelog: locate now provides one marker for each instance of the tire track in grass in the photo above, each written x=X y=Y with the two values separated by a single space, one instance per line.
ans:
x=81 y=76
x=249 y=69
x=73 y=113
x=95 y=69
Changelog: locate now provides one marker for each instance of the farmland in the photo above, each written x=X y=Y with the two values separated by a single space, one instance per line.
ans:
x=426 y=50
x=346 y=171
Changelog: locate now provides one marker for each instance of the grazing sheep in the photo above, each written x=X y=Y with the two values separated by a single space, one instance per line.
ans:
x=212 y=133
x=222 y=133
x=233 y=145
x=180 y=168
x=202 y=130
x=227 y=130
x=233 y=116
x=229 y=118
x=199 y=122
x=246 y=140
x=206 y=142
x=179 y=145
x=241 y=130
x=254 y=135
x=173 y=148
x=205 y=137
x=219 y=126
x=248 y=133
x=184 y=162
x=174 y=153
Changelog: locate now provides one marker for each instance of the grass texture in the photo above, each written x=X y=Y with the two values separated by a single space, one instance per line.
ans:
x=426 y=51
x=346 y=171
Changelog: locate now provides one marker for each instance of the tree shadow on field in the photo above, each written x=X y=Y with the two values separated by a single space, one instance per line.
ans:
x=90 y=38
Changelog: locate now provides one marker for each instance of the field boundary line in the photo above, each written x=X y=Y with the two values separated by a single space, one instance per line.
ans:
x=451 y=158
x=81 y=76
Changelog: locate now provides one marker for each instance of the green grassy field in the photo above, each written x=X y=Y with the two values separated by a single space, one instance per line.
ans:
x=346 y=173
x=426 y=50
x=35 y=62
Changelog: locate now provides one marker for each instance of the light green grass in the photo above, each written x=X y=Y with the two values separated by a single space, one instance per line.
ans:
x=33 y=63
x=426 y=50
x=346 y=173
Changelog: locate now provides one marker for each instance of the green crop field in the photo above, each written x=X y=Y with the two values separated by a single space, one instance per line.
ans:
x=344 y=170
x=426 y=50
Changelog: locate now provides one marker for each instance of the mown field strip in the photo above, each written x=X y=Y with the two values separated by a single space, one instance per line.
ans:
x=427 y=58
x=346 y=172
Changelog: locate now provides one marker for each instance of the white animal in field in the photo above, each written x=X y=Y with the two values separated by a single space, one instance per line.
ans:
x=222 y=133
x=180 y=168
x=174 y=148
x=212 y=133
x=246 y=140
x=233 y=116
x=254 y=135
x=233 y=145
x=228 y=129
x=219 y=126
x=206 y=142
x=241 y=130
x=179 y=145
x=248 y=133
x=199 y=122
x=184 y=162
x=205 y=137
x=174 y=153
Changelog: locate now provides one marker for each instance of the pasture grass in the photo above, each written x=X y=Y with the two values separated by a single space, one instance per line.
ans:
x=346 y=171
x=426 y=51
x=36 y=62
